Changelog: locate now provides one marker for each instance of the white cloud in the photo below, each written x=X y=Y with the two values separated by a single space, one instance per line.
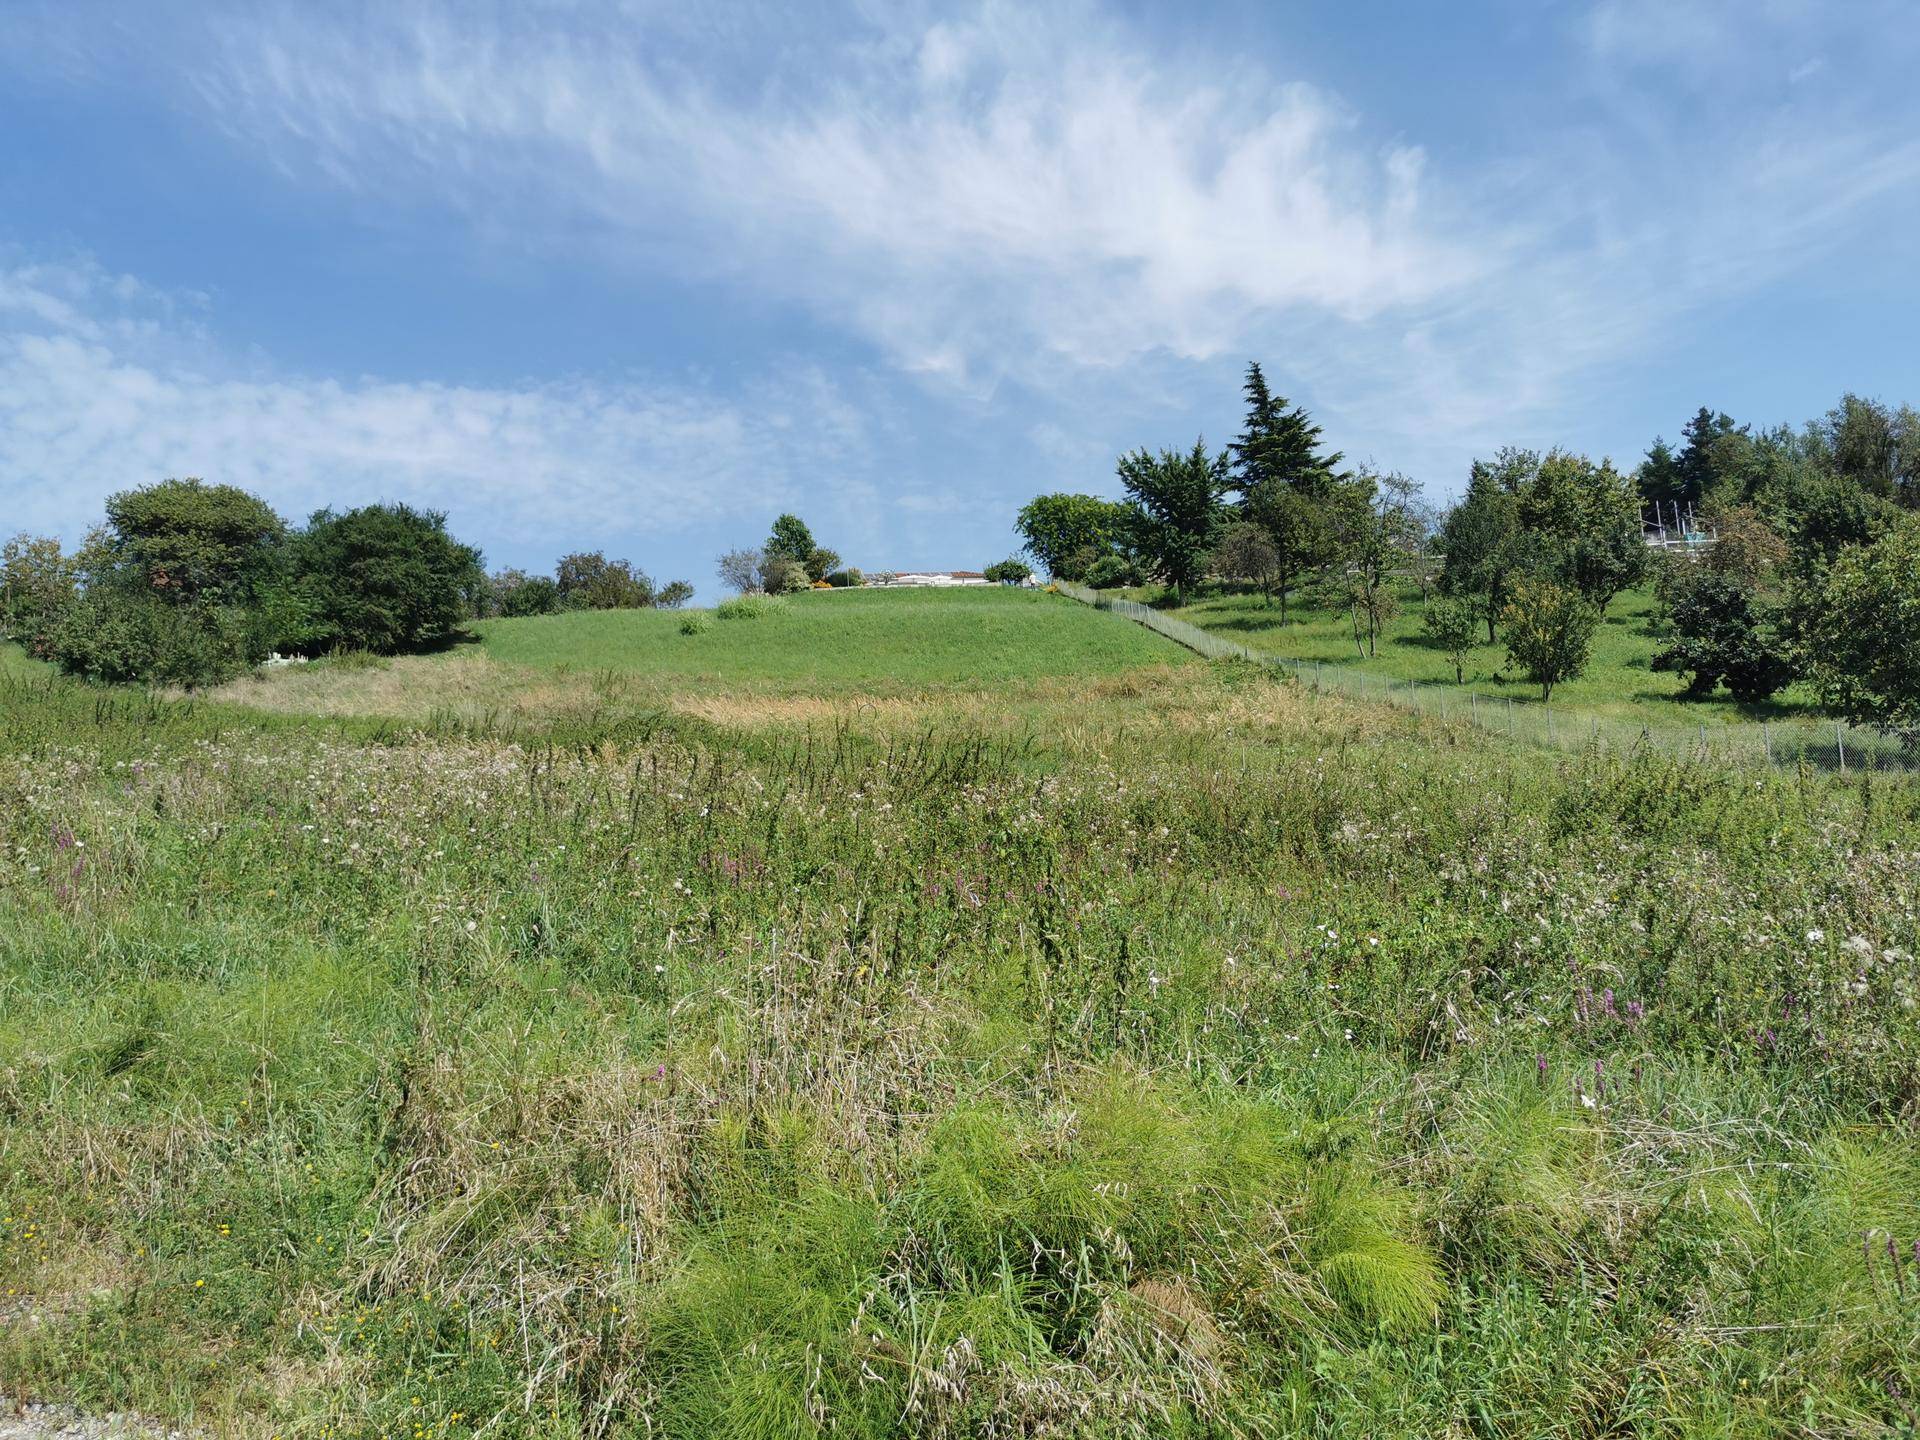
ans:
x=98 y=391
x=1020 y=174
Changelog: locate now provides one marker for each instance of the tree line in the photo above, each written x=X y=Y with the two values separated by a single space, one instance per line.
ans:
x=186 y=583
x=1803 y=566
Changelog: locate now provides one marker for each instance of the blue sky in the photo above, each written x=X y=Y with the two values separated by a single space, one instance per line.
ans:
x=636 y=276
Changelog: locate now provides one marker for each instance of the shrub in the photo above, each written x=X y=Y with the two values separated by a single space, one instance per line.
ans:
x=748 y=607
x=673 y=595
x=781 y=576
x=534 y=596
x=1008 y=572
x=384 y=578
x=697 y=622
x=1112 y=572
x=118 y=633
x=846 y=579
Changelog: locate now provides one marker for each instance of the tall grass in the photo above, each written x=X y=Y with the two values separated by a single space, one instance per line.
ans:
x=1216 y=1060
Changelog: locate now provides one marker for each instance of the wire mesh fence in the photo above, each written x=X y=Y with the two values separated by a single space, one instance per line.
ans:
x=1816 y=744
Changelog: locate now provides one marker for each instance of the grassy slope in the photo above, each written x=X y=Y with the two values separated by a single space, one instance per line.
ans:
x=872 y=641
x=1619 y=683
x=1220 y=1065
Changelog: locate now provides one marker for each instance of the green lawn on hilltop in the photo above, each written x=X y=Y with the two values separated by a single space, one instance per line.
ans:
x=845 y=640
x=1619 y=684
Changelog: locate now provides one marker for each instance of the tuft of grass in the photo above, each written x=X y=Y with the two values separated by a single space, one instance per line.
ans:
x=750 y=607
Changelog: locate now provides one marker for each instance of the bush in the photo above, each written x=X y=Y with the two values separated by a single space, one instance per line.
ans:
x=118 y=633
x=781 y=576
x=697 y=622
x=673 y=595
x=748 y=607
x=846 y=579
x=384 y=578
x=1008 y=572
x=535 y=596
x=1113 y=572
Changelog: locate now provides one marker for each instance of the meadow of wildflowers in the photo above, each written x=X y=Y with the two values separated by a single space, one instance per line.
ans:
x=1189 y=1057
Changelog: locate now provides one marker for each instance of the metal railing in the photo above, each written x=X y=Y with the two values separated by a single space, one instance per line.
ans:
x=1817 y=744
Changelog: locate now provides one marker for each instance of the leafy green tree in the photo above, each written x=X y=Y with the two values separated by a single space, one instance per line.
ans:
x=1549 y=628
x=1726 y=633
x=121 y=631
x=673 y=595
x=1298 y=526
x=1175 y=499
x=790 y=538
x=1865 y=445
x=1247 y=554
x=1451 y=624
x=1008 y=572
x=39 y=583
x=1860 y=631
x=1114 y=572
x=190 y=541
x=819 y=561
x=1825 y=513
x=1375 y=524
x=588 y=580
x=1583 y=520
x=384 y=578
x=1480 y=545
x=1067 y=533
x=1746 y=549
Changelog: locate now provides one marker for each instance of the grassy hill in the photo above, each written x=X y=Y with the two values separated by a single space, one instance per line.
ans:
x=1207 y=1058
x=854 y=640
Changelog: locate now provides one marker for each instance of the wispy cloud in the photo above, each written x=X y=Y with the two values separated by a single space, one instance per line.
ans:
x=102 y=386
x=957 y=191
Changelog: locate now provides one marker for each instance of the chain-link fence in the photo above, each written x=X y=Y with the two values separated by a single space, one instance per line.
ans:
x=1820 y=745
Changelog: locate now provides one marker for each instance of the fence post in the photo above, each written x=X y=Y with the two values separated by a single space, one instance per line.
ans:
x=1509 y=715
x=1548 y=707
x=1473 y=707
x=1840 y=747
x=1766 y=739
